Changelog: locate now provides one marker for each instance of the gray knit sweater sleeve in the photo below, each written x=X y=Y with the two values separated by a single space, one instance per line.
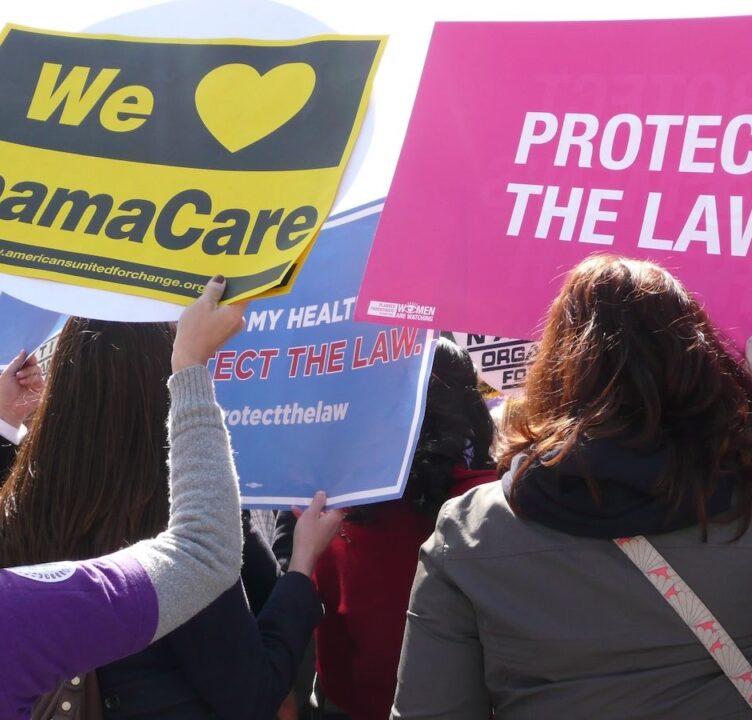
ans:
x=198 y=557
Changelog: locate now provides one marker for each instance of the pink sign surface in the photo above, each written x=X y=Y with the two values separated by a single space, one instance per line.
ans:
x=534 y=145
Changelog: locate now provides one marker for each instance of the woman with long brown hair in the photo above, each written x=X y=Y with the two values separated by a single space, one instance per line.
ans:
x=91 y=478
x=60 y=619
x=636 y=421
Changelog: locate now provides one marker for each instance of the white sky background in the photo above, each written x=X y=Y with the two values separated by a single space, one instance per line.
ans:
x=74 y=15
x=407 y=22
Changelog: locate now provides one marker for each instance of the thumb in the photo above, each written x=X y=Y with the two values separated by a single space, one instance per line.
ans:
x=214 y=289
x=17 y=362
x=31 y=360
x=317 y=504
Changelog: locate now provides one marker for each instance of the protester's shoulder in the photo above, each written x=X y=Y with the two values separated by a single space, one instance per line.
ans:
x=480 y=523
x=84 y=594
x=118 y=571
x=721 y=537
x=471 y=510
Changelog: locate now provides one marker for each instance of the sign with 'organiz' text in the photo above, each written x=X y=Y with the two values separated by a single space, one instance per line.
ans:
x=534 y=145
x=502 y=362
x=147 y=166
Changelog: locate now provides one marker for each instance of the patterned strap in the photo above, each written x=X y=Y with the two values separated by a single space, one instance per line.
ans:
x=692 y=610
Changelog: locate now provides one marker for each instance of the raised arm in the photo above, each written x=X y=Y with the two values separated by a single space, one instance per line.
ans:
x=243 y=667
x=66 y=618
x=199 y=555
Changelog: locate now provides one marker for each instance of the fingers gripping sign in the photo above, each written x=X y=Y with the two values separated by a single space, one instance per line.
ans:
x=21 y=385
x=313 y=533
x=205 y=326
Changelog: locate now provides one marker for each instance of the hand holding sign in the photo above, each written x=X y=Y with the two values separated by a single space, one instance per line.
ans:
x=204 y=327
x=21 y=385
x=313 y=532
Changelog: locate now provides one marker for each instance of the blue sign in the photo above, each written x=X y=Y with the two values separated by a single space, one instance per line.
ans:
x=24 y=327
x=314 y=400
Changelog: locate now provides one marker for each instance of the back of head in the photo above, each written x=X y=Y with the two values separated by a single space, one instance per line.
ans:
x=457 y=429
x=629 y=354
x=91 y=475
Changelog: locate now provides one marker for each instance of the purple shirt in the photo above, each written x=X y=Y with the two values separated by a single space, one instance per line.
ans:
x=62 y=619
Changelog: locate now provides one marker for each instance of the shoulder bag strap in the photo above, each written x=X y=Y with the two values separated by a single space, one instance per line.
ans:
x=691 y=610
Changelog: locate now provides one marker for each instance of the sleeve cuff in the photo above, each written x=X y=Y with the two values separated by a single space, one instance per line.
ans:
x=304 y=591
x=190 y=385
x=11 y=433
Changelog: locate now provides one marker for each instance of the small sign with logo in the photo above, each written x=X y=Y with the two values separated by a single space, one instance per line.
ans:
x=401 y=311
x=147 y=166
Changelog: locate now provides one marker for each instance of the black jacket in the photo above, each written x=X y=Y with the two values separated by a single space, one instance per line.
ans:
x=224 y=663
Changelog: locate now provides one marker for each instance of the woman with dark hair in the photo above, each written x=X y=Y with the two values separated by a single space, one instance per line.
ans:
x=66 y=618
x=636 y=421
x=364 y=576
x=91 y=478
x=92 y=470
x=21 y=384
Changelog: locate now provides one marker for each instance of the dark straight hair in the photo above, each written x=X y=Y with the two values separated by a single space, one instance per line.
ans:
x=91 y=477
x=629 y=354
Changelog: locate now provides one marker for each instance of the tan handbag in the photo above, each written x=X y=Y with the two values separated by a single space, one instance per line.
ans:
x=75 y=699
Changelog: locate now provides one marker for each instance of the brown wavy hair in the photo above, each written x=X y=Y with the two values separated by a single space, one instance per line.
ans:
x=91 y=477
x=629 y=354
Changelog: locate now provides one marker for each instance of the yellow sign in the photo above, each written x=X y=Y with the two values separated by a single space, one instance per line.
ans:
x=147 y=166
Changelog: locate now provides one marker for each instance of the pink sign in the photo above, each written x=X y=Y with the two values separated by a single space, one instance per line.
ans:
x=534 y=145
